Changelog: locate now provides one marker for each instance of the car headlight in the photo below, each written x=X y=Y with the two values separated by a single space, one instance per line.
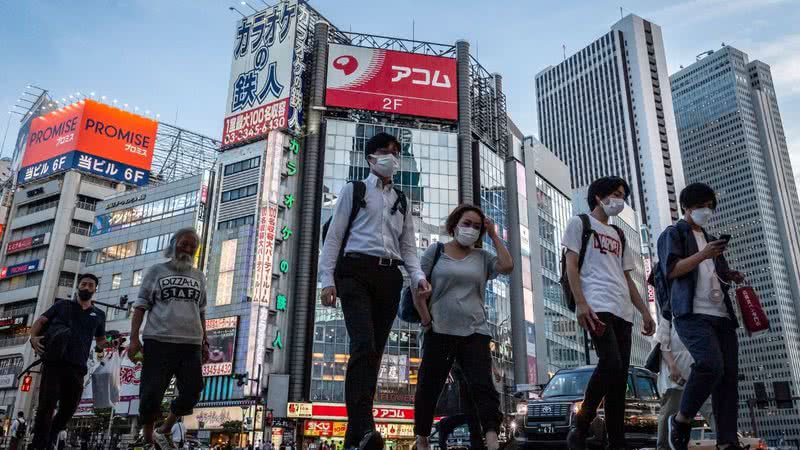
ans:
x=576 y=407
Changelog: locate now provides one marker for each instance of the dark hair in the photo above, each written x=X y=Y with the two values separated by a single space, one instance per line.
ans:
x=697 y=194
x=89 y=276
x=455 y=217
x=603 y=187
x=379 y=141
x=20 y=414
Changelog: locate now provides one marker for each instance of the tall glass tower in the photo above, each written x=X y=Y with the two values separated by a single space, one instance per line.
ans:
x=732 y=138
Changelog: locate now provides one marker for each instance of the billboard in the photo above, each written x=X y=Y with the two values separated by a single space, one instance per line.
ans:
x=19 y=269
x=222 y=345
x=25 y=243
x=389 y=81
x=91 y=137
x=261 y=74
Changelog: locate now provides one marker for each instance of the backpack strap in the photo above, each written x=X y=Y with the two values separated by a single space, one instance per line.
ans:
x=622 y=238
x=585 y=236
x=358 y=202
x=401 y=203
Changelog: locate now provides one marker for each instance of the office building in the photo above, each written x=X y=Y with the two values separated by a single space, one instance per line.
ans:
x=732 y=138
x=607 y=110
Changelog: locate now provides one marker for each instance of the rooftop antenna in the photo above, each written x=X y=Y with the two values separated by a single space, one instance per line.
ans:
x=564 y=51
x=413 y=35
x=620 y=12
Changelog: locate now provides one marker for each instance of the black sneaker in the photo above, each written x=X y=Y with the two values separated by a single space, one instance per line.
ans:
x=678 y=434
x=371 y=441
x=576 y=439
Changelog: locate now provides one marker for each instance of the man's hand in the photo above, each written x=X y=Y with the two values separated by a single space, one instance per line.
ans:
x=586 y=317
x=424 y=289
x=206 y=351
x=134 y=349
x=713 y=249
x=38 y=346
x=736 y=277
x=649 y=325
x=674 y=373
x=328 y=296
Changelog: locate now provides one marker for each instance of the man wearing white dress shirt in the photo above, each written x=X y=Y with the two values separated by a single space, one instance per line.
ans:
x=360 y=264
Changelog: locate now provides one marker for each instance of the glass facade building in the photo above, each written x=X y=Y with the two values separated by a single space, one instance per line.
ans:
x=732 y=139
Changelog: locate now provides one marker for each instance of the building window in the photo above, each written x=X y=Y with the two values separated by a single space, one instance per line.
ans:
x=237 y=222
x=227 y=266
x=137 y=277
x=149 y=212
x=116 y=281
x=129 y=249
x=242 y=192
x=241 y=166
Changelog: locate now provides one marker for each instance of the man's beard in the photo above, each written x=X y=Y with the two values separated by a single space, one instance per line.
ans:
x=183 y=262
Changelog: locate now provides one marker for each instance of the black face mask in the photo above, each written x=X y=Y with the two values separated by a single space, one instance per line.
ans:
x=85 y=294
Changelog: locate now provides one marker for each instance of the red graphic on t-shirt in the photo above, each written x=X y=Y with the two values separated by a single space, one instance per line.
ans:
x=607 y=244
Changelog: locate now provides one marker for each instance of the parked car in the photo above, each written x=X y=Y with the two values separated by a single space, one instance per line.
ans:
x=703 y=438
x=549 y=418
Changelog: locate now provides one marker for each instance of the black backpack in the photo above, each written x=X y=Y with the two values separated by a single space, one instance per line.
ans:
x=58 y=336
x=658 y=279
x=22 y=428
x=359 y=193
x=587 y=234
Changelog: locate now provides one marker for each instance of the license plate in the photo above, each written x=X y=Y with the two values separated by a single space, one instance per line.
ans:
x=547 y=428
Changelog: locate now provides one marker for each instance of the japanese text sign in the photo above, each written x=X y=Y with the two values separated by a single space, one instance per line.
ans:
x=222 y=345
x=393 y=82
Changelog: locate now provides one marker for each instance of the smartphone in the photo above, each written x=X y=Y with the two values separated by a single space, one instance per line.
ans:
x=725 y=237
x=599 y=328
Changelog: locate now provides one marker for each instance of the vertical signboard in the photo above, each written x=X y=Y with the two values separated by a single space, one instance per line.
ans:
x=261 y=74
x=222 y=345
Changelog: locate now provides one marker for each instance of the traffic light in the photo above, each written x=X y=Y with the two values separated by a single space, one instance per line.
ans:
x=25 y=386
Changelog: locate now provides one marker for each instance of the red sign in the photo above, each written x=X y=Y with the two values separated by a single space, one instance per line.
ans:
x=255 y=123
x=24 y=244
x=380 y=413
x=393 y=82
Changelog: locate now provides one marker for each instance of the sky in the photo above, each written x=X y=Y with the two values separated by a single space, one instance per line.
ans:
x=172 y=57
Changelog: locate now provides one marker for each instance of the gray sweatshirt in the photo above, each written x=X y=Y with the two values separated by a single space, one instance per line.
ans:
x=174 y=302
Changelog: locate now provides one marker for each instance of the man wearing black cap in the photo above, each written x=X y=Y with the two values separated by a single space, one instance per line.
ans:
x=70 y=326
x=360 y=264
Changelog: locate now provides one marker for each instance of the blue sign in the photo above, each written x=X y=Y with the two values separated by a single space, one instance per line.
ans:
x=87 y=163
x=19 y=269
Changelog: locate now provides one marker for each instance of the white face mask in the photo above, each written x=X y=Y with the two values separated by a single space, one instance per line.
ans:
x=467 y=236
x=384 y=165
x=701 y=216
x=614 y=206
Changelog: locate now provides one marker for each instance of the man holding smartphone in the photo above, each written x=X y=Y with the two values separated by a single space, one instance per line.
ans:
x=605 y=296
x=703 y=316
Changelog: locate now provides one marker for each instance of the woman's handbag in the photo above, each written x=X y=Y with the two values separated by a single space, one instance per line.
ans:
x=653 y=363
x=753 y=314
x=407 y=311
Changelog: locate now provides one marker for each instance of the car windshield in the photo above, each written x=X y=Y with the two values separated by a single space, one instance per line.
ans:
x=567 y=384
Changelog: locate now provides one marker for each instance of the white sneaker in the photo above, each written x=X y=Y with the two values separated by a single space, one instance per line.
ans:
x=491 y=440
x=163 y=441
x=423 y=443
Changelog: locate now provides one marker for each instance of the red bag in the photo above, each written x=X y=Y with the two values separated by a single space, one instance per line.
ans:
x=755 y=319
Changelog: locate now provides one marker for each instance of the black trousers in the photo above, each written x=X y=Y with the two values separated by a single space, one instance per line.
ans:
x=61 y=385
x=448 y=424
x=610 y=378
x=162 y=361
x=473 y=355
x=370 y=296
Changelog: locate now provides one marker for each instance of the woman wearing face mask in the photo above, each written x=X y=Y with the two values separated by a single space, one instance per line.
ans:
x=703 y=316
x=454 y=321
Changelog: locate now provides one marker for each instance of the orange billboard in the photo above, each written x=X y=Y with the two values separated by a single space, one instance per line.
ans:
x=92 y=137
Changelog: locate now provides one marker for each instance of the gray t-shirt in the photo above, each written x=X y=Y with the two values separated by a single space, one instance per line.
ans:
x=174 y=301
x=459 y=286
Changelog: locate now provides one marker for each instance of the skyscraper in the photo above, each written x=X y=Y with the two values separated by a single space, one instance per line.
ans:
x=607 y=110
x=731 y=137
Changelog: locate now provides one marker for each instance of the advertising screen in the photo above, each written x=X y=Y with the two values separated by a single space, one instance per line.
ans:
x=222 y=345
x=393 y=82
x=261 y=74
x=94 y=138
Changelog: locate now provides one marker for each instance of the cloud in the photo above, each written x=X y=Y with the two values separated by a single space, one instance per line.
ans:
x=783 y=56
x=691 y=12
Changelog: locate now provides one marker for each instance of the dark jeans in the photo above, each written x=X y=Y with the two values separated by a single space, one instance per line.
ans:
x=714 y=346
x=610 y=379
x=370 y=296
x=473 y=355
x=61 y=385
x=162 y=361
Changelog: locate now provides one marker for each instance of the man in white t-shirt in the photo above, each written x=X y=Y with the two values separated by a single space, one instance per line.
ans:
x=605 y=297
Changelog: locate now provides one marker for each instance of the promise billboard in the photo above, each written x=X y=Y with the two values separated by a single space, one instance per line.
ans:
x=91 y=137
x=389 y=81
